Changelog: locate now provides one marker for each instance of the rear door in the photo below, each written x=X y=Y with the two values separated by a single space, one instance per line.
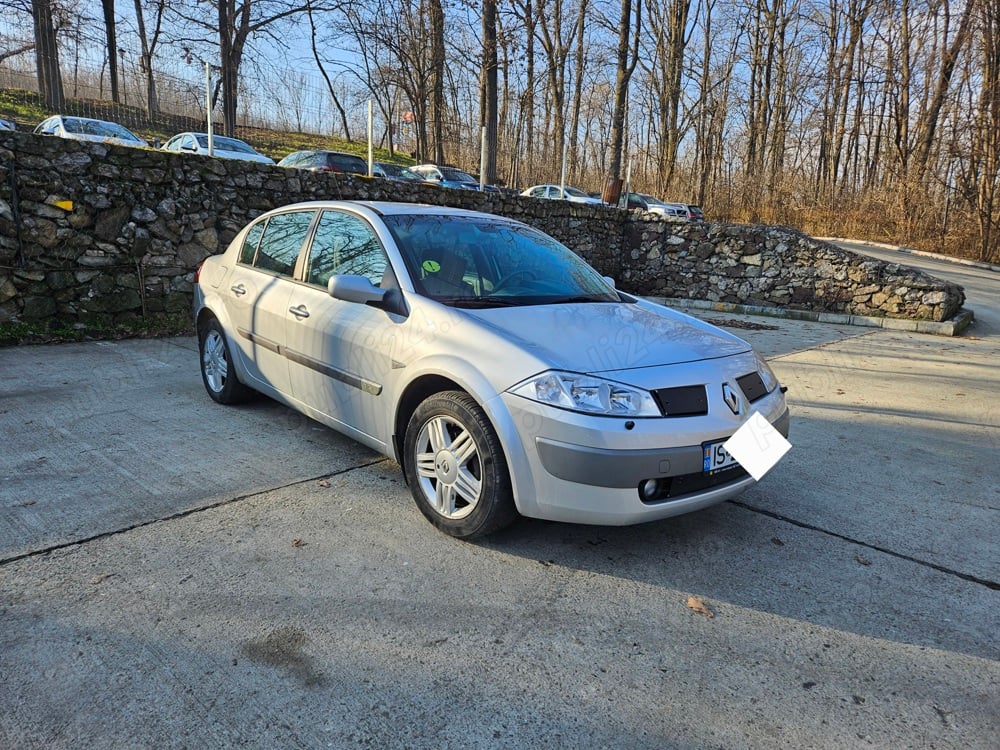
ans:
x=258 y=296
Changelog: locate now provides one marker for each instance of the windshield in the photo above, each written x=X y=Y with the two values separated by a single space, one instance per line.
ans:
x=575 y=192
x=489 y=262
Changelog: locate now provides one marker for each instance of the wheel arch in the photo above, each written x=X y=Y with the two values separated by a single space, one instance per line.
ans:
x=431 y=382
x=206 y=315
x=415 y=393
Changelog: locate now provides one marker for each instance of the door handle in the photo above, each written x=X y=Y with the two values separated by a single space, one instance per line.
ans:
x=238 y=289
x=299 y=311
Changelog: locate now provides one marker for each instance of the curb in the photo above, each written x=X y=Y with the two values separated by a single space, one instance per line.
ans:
x=952 y=327
x=911 y=251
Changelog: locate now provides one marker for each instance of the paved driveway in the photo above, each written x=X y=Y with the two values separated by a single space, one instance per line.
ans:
x=178 y=574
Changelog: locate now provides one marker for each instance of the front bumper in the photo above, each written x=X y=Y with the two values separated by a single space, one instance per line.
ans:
x=578 y=468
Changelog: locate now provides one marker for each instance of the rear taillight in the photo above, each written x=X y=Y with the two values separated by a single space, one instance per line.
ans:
x=197 y=274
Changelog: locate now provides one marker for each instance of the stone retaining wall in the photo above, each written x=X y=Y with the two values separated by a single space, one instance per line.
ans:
x=93 y=235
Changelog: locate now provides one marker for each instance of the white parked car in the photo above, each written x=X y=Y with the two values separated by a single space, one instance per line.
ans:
x=572 y=194
x=222 y=146
x=501 y=372
x=87 y=129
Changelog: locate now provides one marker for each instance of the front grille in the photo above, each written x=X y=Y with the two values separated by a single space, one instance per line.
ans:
x=674 y=488
x=683 y=401
x=752 y=386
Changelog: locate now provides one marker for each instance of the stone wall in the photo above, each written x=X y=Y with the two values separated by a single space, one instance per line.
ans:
x=93 y=235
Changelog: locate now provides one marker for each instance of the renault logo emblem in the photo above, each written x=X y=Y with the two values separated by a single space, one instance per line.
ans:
x=732 y=399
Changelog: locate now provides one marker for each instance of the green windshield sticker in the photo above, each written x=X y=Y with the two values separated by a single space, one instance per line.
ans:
x=431 y=266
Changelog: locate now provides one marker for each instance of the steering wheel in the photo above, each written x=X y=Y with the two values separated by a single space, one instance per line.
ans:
x=506 y=280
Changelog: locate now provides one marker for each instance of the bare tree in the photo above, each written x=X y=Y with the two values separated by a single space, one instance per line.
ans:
x=669 y=25
x=489 y=98
x=50 y=84
x=626 y=59
x=110 y=29
x=233 y=25
x=148 y=44
x=983 y=174
x=556 y=33
x=435 y=12
x=322 y=69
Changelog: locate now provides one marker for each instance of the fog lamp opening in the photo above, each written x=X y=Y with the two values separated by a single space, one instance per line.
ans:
x=649 y=489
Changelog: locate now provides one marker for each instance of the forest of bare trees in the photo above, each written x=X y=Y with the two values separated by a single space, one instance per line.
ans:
x=874 y=118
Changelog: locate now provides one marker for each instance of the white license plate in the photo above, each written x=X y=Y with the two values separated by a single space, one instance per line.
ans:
x=715 y=457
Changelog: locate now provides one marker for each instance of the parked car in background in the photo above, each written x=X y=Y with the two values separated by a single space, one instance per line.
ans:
x=644 y=202
x=464 y=346
x=7 y=124
x=572 y=194
x=450 y=177
x=222 y=146
x=388 y=171
x=326 y=161
x=87 y=129
x=695 y=213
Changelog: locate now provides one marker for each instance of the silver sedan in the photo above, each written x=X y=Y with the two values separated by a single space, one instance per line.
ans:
x=504 y=374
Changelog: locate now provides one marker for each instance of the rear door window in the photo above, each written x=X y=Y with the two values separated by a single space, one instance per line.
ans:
x=283 y=238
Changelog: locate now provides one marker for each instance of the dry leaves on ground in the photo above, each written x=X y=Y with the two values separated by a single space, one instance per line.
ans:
x=697 y=605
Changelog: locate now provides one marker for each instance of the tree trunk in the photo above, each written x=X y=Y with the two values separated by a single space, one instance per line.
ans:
x=436 y=13
x=625 y=67
x=146 y=58
x=50 y=85
x=109 y=30
x=490 y=92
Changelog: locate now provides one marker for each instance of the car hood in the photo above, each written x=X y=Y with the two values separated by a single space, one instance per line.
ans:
x=606 y=337
x=224 y=153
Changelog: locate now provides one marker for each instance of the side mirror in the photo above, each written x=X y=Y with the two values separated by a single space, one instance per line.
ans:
x=355 y=289
x=610 y=281
x=361 y=290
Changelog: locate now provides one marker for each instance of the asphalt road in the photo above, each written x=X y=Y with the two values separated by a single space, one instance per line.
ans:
x=176 y=574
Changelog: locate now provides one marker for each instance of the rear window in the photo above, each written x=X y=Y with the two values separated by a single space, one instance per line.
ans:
x=347 y=163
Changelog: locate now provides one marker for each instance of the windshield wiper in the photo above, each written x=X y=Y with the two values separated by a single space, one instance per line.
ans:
x=482 y=302
x=578 y=298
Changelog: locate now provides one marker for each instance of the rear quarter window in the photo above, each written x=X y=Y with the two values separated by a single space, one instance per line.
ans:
x=249 y=249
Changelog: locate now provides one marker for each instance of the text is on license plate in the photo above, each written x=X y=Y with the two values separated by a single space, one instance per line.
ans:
x=716 y=458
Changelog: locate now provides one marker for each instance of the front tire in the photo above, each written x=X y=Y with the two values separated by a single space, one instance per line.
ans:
x=456 y=468
x=217 y=371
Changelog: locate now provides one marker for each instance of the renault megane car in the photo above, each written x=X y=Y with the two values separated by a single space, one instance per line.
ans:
x=504 y=374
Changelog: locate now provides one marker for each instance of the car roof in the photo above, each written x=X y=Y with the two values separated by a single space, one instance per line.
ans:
x=394 y=208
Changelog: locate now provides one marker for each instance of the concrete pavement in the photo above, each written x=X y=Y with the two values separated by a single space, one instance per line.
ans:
x=178 y=574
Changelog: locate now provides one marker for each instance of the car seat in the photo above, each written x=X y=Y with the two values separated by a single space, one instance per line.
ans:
x=443 y=274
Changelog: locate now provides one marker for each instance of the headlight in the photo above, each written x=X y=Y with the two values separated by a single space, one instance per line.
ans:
x=766 y=373
x=584 y=393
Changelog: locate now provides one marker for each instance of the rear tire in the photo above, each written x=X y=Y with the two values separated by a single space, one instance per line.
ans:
x=217 y=371
x=456 y=468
